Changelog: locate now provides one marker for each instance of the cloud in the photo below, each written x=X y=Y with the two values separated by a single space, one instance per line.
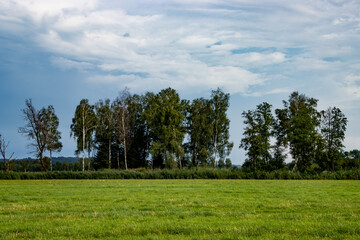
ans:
x=189 y=45
x=67 y=64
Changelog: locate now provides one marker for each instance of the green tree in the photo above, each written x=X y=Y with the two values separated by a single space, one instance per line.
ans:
x=165 y=116
x=219 y=125
x=104 y=130
x=333 y=127
x=298 y=121
x=122 y=122
x=36 y=129
x=198 y=123
x=257 y=134
x=83 y=126
x=54 y=136
x=139 y=130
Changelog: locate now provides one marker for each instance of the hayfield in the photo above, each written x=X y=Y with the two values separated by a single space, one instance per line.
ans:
x=179 y=209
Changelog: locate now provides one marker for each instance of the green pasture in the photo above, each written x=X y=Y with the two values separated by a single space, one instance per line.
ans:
x=179 y=209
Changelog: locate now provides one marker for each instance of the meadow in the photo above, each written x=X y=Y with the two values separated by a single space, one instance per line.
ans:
x=179 y=209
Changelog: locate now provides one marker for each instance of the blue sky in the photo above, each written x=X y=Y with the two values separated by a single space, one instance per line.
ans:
x=58 y=52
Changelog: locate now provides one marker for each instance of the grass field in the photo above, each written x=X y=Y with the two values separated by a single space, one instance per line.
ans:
x=179 y=209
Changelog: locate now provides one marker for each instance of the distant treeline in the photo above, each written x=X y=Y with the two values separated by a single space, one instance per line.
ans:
x=156 y=131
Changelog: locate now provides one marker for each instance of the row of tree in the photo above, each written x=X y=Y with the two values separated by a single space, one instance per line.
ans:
x=153 y=130
x=314 y=139
x=162 y=130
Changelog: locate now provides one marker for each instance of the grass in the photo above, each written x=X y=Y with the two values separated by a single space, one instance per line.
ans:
x=179 y=209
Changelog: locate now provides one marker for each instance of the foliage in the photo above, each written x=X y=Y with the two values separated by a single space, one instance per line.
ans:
x=219 y=125
x=198 y=122
x=165 y=116
x=257 y=133
x=333 y=127
x=83 y=126
x=41 y=128
x=299 y=120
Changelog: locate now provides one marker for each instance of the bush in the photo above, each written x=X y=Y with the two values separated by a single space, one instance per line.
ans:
x=187 y=173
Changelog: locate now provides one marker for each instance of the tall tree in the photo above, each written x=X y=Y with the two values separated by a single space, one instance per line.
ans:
x=140 y=130
x=199 y=131
x=36 y=129
x=83 y=126
x=299 y=120
x=219 y=126
x=54 y=136
x=333 y=127
x=3 y=146
x=165 y=115
x=257 y=134
x=122 y=121
x=105 y=128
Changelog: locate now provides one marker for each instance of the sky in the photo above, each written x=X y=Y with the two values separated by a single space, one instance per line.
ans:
x=59 y=52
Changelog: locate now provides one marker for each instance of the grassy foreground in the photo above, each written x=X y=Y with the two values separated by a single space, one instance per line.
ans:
x=179 y=209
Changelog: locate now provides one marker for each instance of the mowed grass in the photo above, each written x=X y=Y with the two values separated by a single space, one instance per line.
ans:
x=179 y=209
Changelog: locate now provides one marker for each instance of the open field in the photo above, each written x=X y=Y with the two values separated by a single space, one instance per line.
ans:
x=179 y=209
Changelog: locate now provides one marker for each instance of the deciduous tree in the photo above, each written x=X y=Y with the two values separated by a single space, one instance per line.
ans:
x=83 y=126
x=219 y=125
x=3 y=146
x=333 y=127
x=54 y=136
x=36 y=129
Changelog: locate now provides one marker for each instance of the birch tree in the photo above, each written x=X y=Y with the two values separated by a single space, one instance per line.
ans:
x=83 y=125
x=122 y=121
x=219 y=126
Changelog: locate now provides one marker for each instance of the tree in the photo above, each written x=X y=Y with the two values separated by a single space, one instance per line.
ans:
x=36 y=129
x=3 y=147
x=139 y=130
x=333 y=127
x=83 y=125
x=198 y=123
x=165 y=115
x=122 y=121
x=54 y=135
x=257 y=134
x=298 y=121
x=104 y=132
x=219 y=125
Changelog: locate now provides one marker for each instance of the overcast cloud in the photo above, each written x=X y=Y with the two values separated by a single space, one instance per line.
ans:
x=256 y=50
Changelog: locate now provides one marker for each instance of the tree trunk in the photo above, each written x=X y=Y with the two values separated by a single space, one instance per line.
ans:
x=43 y=164
x=124 y=136
x=215 y=149
x=83 y=150
x=295 y=166
x=83 y=140
x=109 y=153
x=118 y=159
x=50 y=161
x=89 y=160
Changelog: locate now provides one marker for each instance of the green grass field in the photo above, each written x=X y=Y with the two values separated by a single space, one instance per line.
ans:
x=179 y=209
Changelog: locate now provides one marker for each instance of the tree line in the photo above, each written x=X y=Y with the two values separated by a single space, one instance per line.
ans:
x=153 y=130
x=313 y=138
x=161 y=130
